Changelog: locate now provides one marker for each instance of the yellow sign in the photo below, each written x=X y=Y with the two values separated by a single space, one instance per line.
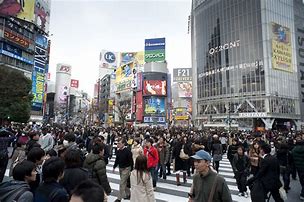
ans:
x=136 y=57
x=281 y=48
x=181 y=117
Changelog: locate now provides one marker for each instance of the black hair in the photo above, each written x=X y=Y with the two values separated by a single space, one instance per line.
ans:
x=123 y=141
x=89 y=191
x=72 y=158
x=70 y=137
x=150 y=140
x=35 y=154
x=266 y=148
x=52 y=152
x=52 y=169
x=97 y=148
x=23 y=169
x=243 y=149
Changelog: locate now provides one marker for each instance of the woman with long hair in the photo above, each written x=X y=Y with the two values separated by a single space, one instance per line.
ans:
x=141 y=182
x=254 y=157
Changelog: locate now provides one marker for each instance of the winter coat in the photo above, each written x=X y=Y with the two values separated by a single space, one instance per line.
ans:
x=284 y=157
x=142 y=191
x=18 y=156
x=97 y=171
x=217 y=151
x=18 y=190
x=254 y=157
x=298 y=156
x=163 y=153
x=136 y=151
x=232 y=149
x=240 y=164
x=181 y=164
x=51 y=191
x=72 y=177
x=152 y=156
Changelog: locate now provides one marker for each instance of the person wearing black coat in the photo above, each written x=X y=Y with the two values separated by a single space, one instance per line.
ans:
x=232 y=149
x=268 y=175
x=284 y=157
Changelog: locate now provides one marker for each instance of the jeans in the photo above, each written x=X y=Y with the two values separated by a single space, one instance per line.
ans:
x=285 y=172
x=241 y=179
x=3 y=164
x=301 y=178
x=153 y=172
x=162 y=169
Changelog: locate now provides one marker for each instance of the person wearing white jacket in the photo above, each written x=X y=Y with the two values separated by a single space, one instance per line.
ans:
x=141 y=182
x=136 y=149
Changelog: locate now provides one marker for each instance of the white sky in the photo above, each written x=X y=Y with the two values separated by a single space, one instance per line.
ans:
x=81 y=29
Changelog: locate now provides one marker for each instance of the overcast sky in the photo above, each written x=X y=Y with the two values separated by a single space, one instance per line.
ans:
x=81 y=29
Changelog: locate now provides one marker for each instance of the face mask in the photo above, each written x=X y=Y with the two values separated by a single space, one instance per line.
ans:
x=65 y=143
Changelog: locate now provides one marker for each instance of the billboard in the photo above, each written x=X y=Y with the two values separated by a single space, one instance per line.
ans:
x=182 y=74
x=74 y=83
x=155 y=106
x=139 y=106
x=155 y=87
x=155 y=50
x=185 y=89
x=16 y=38
x=110 y=106
x=42 y=14
x=124 y=77
x=37 y=88
x=136 y=57
x=41 y=41
x=281 y=48
x=149 y=119
x=109 y=59
x=14 y=52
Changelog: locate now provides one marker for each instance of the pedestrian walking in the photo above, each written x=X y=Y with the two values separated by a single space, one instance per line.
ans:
x=152 y=159
x=298 y=157
x=6 y=138
x=163 y=153
x=254 y=157
x=141 y=182
x=46 y=140
x=217 y=152
x=136 y=149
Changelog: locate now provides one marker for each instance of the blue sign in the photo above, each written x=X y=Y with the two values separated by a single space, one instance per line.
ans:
x=7 y=53
x=41 y=41
x=155 y=44
x=12 y=49
x=148 y=119
x=109 y=57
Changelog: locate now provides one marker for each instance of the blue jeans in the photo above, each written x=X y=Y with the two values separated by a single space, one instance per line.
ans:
x=154 y=176
x=162 y=168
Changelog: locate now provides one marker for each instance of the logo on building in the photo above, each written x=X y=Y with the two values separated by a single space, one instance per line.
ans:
x=109 y=57
x=225 y=46
x=64 y=69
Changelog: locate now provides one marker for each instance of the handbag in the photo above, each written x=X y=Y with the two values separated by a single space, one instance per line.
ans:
x=182 y=154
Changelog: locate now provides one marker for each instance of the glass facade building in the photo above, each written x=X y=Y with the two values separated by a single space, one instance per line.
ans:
x=245 y=62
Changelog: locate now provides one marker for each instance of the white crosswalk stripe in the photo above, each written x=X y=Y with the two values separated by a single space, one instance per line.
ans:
x=167 y=189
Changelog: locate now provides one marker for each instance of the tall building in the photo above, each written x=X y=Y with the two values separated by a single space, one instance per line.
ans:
x=247 y=59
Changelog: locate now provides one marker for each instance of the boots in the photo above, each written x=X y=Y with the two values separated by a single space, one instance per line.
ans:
x=177 y=180
x=185 y=177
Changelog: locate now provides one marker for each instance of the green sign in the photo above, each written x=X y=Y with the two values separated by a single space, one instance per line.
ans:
x=155 y=55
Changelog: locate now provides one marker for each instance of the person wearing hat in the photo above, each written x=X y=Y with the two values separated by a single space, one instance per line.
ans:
x=207 y=185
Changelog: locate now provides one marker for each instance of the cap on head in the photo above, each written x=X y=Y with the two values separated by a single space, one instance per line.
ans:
x=202 y=155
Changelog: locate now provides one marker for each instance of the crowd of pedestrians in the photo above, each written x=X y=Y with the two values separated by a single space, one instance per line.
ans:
x=68 y=163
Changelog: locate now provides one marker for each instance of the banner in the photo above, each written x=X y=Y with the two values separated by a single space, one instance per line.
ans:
x=155 y=87
x=185 y=89
x=42 y=14
x=15 y=38
x=136 y=57
x=74 y=83
x=155 y=50
x=182 y=74
x=23 y=10
x=37 y=88
x=155 y=56
x=281 y=48
x=155 y=106
x=124 y=77
x=139 y=106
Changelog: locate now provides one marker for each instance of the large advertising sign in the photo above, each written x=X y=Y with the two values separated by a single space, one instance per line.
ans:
x=185 y=89
x=124 y=77
x=155 y=87
x=35 y=11
x=136 y=57
x=182 y=74
x=63 y=68
x=41 y=41
x=14 y=52
x=17 y=39
x=109 y=59
x=155 y=106
x=155 y=50
x=281 y=48
x=37 y=88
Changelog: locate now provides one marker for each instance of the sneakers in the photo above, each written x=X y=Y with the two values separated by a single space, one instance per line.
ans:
x=302 y=198
x=240 y=194
x=246 y=194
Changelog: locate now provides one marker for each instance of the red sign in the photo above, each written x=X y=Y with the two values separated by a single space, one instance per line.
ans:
x=16 y=39
x=155 y=87
x=139 y=105
x=74 y=83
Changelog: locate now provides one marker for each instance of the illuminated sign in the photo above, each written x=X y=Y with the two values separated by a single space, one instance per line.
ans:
x=155 y=87
x=4 y=52
x=16 y=39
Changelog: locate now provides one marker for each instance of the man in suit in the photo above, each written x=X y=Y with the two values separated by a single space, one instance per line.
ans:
x=269 y=173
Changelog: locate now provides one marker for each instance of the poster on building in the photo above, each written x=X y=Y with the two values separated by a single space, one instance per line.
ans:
x=109 y=59
x=37 y=88
x=155 y=50
x=281 y=48
x=124 y=77
x=110 y=106
x=185 y=90
x=42 y=14
x=155 y=106
x=155 y=87
x=182 y=75
x=139 y=106
x=20 y=9
x=136 y=57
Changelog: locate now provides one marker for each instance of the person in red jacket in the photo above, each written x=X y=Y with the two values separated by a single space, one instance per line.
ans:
x=152 y=155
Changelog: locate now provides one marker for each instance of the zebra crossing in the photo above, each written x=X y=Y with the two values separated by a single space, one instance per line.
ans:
x=167 y=189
